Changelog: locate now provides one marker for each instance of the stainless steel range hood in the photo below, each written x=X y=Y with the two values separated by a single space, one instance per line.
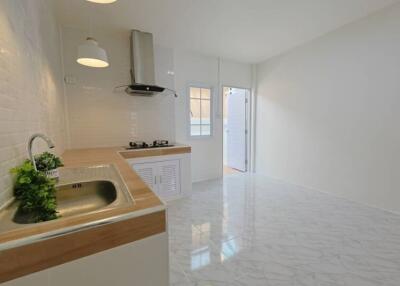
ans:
x=142 y=65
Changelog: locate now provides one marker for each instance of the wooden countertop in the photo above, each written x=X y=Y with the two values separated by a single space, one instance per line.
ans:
x=16 y=258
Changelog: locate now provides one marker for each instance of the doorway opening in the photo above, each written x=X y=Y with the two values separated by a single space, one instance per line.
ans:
x=235 y=129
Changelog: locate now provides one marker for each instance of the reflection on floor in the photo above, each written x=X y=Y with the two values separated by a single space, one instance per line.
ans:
x=250 y=230
x=229 y=170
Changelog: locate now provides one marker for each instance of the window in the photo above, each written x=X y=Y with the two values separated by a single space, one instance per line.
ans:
x=200 y=111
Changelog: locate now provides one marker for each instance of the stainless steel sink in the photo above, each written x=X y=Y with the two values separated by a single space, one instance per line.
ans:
x=80 y=191
x=85 y=197
x=78 y=198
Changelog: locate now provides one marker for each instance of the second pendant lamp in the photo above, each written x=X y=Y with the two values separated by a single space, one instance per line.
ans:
x=92 y=55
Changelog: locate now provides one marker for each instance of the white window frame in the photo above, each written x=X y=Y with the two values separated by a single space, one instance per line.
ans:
x=212 y=102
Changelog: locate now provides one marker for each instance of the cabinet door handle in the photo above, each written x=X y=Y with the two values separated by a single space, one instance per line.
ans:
x=160 y=179
x=155 y=180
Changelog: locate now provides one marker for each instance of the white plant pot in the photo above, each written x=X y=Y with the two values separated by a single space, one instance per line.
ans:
x=53 y=174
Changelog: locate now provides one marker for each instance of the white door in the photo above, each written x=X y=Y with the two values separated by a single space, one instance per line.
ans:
x=236 y=129
x=148 y=173
x=169 y=179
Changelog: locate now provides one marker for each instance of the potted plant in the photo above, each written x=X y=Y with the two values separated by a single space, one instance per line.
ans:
x=49 y=164
x=36 y=193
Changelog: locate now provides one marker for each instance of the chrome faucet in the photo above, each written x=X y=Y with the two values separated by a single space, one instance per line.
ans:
x=33 y=137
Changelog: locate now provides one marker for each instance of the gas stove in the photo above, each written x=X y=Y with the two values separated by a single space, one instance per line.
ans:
x=144 y=145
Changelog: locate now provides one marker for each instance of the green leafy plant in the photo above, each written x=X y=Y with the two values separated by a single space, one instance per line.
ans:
x=36 y=193
x=47 y=161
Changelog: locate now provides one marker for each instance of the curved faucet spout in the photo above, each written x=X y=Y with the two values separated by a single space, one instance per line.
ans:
x=30 y=143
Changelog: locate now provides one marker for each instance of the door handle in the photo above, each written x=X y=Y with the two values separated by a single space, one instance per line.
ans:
x=160 y=179
x=155 y=180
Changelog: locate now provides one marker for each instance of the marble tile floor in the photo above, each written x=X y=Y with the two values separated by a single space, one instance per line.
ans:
x=251 y=230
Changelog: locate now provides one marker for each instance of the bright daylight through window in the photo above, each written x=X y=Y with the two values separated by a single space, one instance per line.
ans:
x=200 y=111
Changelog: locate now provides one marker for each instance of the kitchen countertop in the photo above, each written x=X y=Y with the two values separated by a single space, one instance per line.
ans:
x=144 y=218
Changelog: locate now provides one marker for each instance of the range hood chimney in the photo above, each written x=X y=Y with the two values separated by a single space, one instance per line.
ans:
x=142 y=65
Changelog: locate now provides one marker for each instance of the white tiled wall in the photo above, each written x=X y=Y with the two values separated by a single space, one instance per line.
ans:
x=31 y=88
x=100 y=116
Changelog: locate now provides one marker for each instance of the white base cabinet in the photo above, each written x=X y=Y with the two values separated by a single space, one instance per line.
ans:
x=162 y=177
x=141 y=263
x=168 y=176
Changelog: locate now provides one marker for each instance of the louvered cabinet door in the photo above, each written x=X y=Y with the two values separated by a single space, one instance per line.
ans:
x=148 y=172
x=169 y=179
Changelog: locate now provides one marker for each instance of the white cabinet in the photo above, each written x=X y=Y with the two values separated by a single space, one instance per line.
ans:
x=148 y=173
x=169 y=176
x=162 y=177
x=169 y=184
x=143 y=263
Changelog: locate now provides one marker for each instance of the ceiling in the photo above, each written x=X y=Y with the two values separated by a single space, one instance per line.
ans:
x=242 y=30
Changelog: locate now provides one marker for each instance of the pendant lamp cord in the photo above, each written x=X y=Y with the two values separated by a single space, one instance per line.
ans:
x=90 y=35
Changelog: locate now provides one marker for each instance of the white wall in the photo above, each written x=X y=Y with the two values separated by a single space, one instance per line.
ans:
x=31 y=87
x=199 y=69
x=99 y=116
x=328 y=112
x=235 y=74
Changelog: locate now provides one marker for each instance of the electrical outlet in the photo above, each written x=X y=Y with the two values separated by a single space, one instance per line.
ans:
x=70 y=79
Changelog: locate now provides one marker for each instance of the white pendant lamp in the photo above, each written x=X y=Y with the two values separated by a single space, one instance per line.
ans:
x=91 y=55
x=102 y=1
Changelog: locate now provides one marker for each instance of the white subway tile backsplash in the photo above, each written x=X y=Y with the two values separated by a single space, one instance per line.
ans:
x=101 y=116
x=31 y=87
